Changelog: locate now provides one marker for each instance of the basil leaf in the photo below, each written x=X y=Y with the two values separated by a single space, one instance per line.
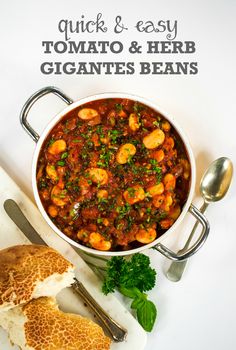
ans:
x=130 y=292
x=147 y=314
x=137 y=303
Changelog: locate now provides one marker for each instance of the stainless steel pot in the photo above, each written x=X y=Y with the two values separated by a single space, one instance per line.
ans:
x=188 y=207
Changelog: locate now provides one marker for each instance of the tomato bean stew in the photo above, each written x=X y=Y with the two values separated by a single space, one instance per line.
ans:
x=113 y=174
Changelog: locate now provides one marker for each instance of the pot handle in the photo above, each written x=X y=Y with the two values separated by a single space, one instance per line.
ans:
x=31 y=101
x=196 y=246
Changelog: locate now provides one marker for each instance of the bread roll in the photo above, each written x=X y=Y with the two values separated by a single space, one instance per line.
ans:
x=40 y=325
x=31 y=271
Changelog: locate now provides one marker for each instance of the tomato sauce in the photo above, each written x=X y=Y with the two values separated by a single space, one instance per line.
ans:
x=113 y=174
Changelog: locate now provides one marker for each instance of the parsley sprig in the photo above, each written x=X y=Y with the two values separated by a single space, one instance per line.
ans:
x=132 y=278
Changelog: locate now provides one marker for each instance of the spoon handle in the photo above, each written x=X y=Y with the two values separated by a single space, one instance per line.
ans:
x=176 y=269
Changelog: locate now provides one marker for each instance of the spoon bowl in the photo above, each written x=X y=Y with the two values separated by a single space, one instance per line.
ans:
x=216 y=180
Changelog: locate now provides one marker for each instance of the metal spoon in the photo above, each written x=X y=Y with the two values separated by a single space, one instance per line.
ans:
x=214 y=186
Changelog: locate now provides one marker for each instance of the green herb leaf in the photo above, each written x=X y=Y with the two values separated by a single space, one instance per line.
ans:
x=118 y=107
x=146 y=314
x=76 y=140
x=42 y=183
x=60 y=163
x=64 y=155
x=84 y=155
x=131 y=278
x=101 y=164
x=114 y=268
x=138 y=107
x=100 y=131
x=131 y=191
x=114 y=134
x=153 y=161
x=135 y=272
x=156 y=123
x=51 y=141
x=123 y=210
x=131 y=293
x=137 y=303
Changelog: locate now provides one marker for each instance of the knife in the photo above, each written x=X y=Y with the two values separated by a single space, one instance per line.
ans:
x=115 y=331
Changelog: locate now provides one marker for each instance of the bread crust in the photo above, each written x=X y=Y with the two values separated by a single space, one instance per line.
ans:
x=48 y=328
x=22 y=267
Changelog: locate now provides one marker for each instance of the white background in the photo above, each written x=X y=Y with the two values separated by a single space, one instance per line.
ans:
x=200 y=311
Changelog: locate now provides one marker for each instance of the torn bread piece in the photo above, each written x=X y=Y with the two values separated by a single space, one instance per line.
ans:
x=31 y=271
x=40 y=325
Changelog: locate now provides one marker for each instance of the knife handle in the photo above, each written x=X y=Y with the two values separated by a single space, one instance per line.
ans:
x=117 y=333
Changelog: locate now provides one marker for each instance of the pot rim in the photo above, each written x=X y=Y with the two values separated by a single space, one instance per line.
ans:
x=95 y=97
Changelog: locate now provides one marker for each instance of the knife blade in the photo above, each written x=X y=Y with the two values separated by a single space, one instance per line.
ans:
x=116 y=331
x=14 y=212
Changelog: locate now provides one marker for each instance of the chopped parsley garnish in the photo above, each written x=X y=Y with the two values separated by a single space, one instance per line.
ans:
x=114 y=134
x=84 y=155
x=104 y=157
x=138 y=108
x=131 y=191
x=68 y=185
x=60 y=163
x=64 y=155
x=100 y=131
x=156 y=168
x=130 y=222
x=99 y=163
x=76 y=188
x=51 y=141
x=67 y=175
x=118 y=107
x=102 y=200
x=156 y=123
x=76 y=141
x=153 y=161
x=62 y=194
x=123 y=210
x=90 y=144
x=42 y=183
x=134 y=142
x=85 y=136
